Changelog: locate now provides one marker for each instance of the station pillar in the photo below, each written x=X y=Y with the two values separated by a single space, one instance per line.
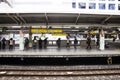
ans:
x=30 y=38
x=102 y=39
x=21 y=41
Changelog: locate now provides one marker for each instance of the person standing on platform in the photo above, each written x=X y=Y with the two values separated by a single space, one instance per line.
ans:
x=114 y=38
x=98 y=42
x=3 y=43
x=45 y=43
x=0 y=44
x=75 y=43
x=34 y=43
x=59 y=42
x=68 y=43
x=88 y=42
x=11 y=43
x=26 y=43
x=40 y=43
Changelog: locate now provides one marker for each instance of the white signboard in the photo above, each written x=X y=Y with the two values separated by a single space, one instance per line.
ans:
x=108 y=7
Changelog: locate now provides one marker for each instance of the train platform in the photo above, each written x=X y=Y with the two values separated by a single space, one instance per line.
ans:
x=63 y=56
x=55 y=52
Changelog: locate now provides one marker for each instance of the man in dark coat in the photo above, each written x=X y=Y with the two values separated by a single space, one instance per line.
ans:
x=59 y=42
x=88 y=42
x=40 y=43
x=3 y=43
x=75 y=43
x=45 y=42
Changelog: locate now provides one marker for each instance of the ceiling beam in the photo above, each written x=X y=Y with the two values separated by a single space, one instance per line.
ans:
x=61 y=24
x=20 y=22
x=48 y=14
x=55 y=14
x=106 y=19
x=77 y=19
x=12 y=18
x=21 y=18
x=32 y=14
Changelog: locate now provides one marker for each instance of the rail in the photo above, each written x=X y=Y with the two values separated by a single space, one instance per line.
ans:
x=59 y=72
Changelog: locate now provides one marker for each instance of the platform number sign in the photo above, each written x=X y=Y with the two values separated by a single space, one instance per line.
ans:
x=109 y=60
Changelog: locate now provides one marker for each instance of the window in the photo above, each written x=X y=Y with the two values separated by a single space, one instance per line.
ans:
x=118 y=6
x=82 y=5
x=73 y=4
x=102 y=6
x=101 y=0
x=111 y=6
x=92 y=5
x=111 y=0
x=91 y=0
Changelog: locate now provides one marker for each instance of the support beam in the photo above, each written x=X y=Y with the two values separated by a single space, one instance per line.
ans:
x=7 y=2
x=20 y=22
x=106 y=19
x=32 y=14
x=21 y=18
x=77 y=19
x=12 y=18
x=46 y=17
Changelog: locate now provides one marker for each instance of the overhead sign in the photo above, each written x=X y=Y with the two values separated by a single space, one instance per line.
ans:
x=59 y=34
x=94 y=32
x=39 y=30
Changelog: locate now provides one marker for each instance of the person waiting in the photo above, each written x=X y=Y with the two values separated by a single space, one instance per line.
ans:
x=40 y=43
x=59 y=42
x=3 y=43
x=34 y=43
x=11 y=43
x=88 y=42
x=45 y=42
x=26 y=43
x=68 y=43
x=114 y=38
x=0 y=44
x=75 y=43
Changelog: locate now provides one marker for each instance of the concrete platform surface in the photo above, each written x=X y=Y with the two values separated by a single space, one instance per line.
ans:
x=60 y=52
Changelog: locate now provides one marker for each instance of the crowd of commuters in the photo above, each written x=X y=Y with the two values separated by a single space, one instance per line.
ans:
x=43 y=43
x=39 y=43
x=6 y=43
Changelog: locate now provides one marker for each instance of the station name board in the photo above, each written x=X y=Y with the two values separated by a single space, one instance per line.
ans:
x=43 y=30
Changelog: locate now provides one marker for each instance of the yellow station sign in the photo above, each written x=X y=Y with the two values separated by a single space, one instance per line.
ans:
x=34 y=30
x=59 y=34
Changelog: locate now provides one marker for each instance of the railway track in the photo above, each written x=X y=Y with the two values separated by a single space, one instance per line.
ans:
x=58 y=72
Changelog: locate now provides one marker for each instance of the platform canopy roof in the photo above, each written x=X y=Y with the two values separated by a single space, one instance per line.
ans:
x=57 y=18
x=55 y=12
